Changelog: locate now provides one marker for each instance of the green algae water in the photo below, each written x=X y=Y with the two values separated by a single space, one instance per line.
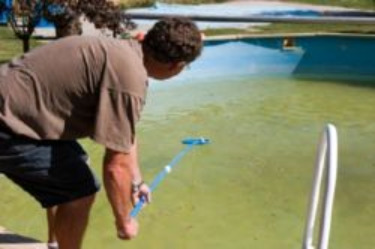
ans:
x=250 y=187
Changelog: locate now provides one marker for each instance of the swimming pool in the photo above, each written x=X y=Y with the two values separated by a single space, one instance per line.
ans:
x=249 y=188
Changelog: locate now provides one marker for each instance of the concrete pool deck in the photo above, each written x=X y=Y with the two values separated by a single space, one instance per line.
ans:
x=273 y=4
x=250 y=6
x=237 y=8
x=10 y=240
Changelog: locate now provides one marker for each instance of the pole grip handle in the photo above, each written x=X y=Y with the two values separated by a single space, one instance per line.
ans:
x=138 y=206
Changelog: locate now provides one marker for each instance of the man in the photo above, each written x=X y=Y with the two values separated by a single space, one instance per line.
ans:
x=80 y=87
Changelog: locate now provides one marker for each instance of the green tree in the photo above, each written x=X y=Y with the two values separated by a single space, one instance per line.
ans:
x=104 y=14
x=2 y=5
x=23 y=18
x=65 y=15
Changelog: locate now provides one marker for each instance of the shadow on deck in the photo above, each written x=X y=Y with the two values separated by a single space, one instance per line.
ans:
x=10 y=240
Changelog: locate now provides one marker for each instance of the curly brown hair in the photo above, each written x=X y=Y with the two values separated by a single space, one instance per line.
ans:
x=173 y=39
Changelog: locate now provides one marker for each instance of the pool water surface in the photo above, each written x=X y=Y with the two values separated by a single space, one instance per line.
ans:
x=249 y=188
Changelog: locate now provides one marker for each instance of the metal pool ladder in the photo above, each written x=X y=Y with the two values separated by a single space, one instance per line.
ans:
x=326 y=160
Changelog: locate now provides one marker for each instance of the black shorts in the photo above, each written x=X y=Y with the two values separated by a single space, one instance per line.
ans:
x=52 y=171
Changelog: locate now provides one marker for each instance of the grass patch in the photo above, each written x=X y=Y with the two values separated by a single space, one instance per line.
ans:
x=226 y=31
x=358 y=4
x=10 y=45
x=125 y=4
x=194 y=1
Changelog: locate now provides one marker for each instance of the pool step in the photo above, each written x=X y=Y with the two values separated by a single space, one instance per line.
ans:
x=10 y=240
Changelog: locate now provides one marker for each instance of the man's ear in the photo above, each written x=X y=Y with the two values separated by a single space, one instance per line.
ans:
x=177 y=65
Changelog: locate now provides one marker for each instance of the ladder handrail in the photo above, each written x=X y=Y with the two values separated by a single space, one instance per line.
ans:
x=326 y=159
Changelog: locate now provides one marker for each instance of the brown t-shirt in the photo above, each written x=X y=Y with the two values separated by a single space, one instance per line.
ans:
x=76 y=87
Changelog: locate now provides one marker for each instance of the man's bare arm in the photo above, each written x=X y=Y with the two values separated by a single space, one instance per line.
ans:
x=120 y=170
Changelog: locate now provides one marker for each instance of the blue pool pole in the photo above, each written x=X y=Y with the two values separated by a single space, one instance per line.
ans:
x=190 y=143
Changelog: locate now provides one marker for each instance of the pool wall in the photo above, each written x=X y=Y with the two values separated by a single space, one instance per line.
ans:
x=337 y=57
